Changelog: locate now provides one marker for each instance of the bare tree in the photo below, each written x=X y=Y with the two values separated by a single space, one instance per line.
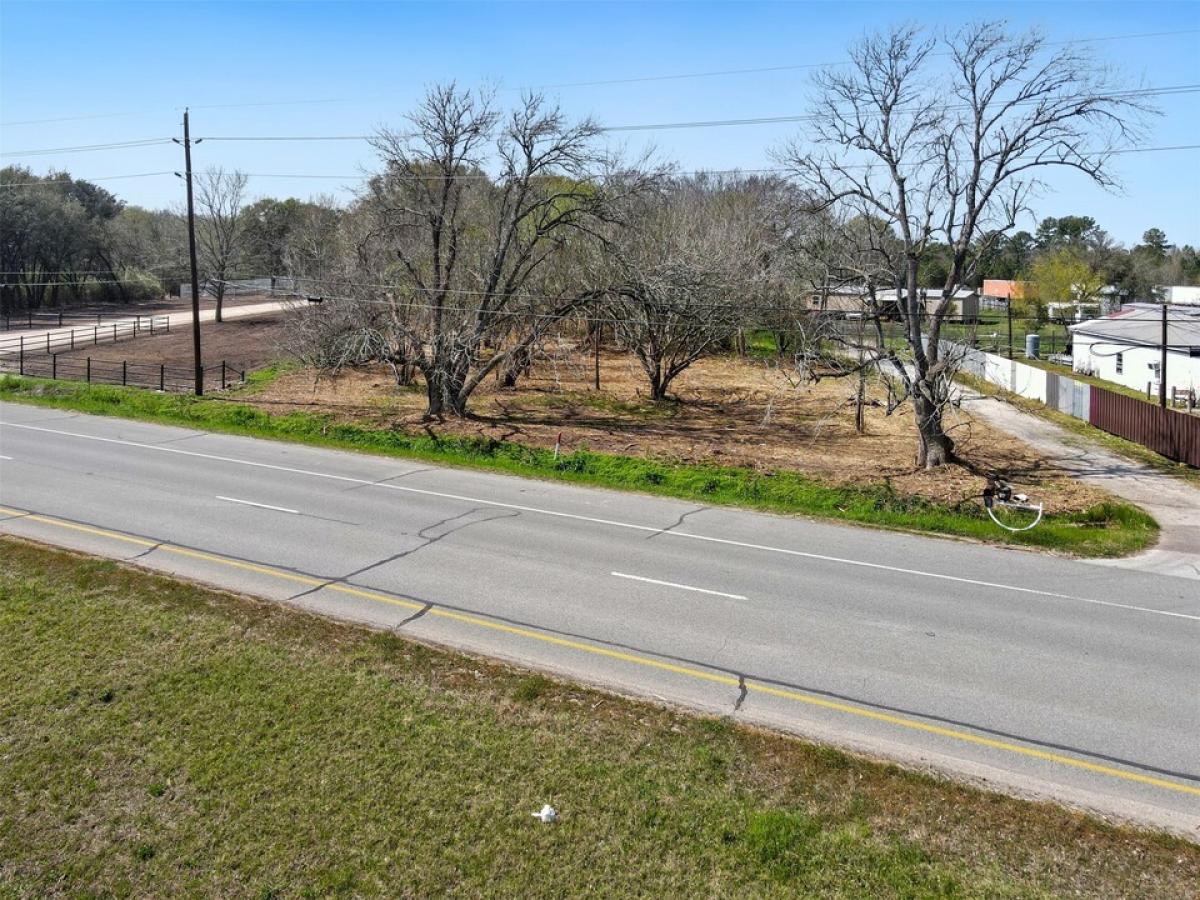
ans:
x=680 y=279
x=951 y=154
x=470 y=281
x=219 y=196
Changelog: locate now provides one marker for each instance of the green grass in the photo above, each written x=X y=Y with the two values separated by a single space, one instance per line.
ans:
x=160 y=738
x=1108 y=529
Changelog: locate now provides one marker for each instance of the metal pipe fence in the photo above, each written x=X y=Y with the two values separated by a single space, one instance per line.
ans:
x=24 y=345
x=154 y=376
x=39 y=320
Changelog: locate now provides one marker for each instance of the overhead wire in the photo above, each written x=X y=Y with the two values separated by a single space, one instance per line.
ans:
x=593 y=83
x=50 y=182
x=1169 y=90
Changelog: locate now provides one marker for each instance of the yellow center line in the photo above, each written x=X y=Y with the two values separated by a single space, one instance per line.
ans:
x=634 y=658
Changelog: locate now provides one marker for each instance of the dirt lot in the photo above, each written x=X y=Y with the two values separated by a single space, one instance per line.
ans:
x=731 y=411
x=79 y=314
x=242 y=343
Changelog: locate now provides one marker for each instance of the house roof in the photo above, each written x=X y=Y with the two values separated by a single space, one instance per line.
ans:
x=1140 y=324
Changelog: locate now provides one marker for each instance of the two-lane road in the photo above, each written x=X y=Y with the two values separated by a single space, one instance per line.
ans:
x=1039 y=674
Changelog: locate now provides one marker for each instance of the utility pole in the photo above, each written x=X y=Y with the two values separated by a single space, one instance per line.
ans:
x=191 y=221
x=1162 y=365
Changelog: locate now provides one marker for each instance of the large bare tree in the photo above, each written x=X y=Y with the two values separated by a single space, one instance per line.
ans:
x=219 y=195
x=943 y=140
x=470 y=279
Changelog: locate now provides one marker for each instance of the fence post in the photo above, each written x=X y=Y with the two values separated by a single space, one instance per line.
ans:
x=89 y=370
x=21 y=367
x=95 y=335
x=47 y=342
x=162 y=376
x=124 y=372
x=72 y=338
x=54 y=366
x=222 y=374
x=114 y=332
x=152 y=326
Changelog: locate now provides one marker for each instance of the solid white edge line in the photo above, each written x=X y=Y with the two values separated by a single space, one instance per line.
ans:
x=282 y=509
x=616 y=524
x=9 y=458
x=682 y=587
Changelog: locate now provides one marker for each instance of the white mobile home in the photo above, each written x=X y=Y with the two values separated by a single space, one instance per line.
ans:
x=1126 y=347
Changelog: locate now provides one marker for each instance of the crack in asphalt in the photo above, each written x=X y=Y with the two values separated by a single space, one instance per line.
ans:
x=742 y=691
x=420 y=612
x=428 y=539
x=145 y=552
x=186 y=437
x=676 y=523
x=359 y=487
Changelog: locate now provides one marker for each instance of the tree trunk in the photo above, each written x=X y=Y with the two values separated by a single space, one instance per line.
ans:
x=220 y=299
x=435 y=396
x=658 y=384
x=519 y=363
x=934 y=446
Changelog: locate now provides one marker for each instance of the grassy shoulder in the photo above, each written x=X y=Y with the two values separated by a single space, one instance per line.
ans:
x=1106 y=529
x=163 y=738
x=1118 y=445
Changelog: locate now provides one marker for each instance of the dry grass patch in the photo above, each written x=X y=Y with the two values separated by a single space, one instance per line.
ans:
x=730 y=412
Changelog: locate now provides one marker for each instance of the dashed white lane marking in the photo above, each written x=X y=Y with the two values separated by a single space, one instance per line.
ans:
x=683 y=535
x=282 y=509
x=682 y=587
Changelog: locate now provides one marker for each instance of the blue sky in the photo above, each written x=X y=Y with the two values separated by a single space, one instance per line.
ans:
x=148 y=60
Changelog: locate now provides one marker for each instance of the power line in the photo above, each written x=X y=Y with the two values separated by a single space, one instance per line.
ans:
x=76 y=178
x=709 y=123
x=80 y=118
x=596 y=83
x=704 y=123
x=641 y=79
x=84 y=148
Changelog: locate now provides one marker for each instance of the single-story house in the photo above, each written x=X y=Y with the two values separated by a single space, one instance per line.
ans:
x=1126 y=346
x=854 y=299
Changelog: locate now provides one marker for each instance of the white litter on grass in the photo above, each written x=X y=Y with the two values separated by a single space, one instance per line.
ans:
x=547 y=814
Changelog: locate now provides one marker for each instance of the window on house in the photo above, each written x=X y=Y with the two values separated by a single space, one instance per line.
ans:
x=1120 y=363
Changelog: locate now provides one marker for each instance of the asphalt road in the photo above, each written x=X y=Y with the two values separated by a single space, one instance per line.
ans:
x=1039 y=675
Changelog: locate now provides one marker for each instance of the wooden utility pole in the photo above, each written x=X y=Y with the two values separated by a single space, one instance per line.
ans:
x=1162 y=365
x=191 y=221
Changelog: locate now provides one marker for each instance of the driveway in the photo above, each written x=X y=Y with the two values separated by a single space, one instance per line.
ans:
x=1172 y=501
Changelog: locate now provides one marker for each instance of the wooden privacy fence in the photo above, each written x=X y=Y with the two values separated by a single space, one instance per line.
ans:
x=1172 y=434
